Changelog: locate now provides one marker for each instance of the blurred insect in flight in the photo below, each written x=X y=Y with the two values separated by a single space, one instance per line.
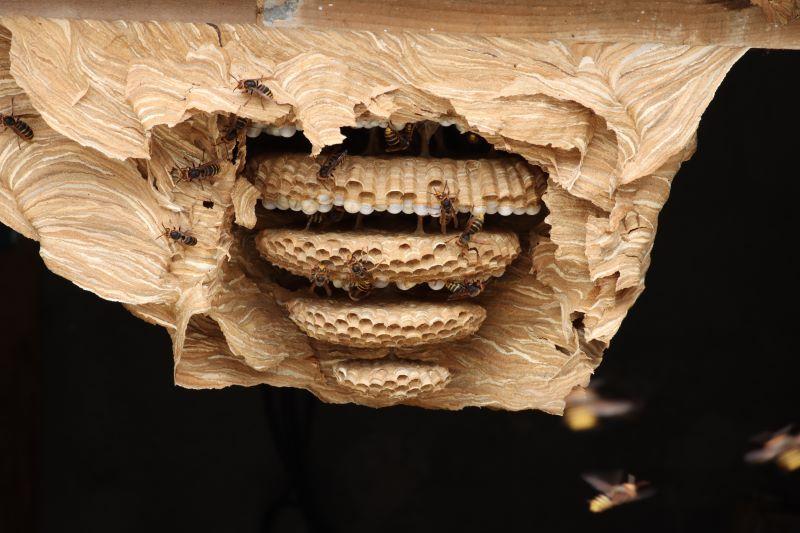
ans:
x=17 y=125
x=398 y=141
x=179 y=236
x=585 y=406
x=360 y=277
x=448 y=207
x=615 y=493
x=782 y=447
x=468 y=288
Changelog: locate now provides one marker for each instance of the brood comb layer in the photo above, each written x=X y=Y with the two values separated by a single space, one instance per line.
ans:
x=376 y=324
x=400 y=185
x=402 y=258
x=391 y=378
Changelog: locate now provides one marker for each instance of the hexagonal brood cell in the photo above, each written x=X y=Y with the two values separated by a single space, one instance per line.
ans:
x=401 y=258
x=505 y=185
x=391 y=378
x=385 y=324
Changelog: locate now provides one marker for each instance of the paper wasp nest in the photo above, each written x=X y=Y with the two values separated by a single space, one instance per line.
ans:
x=580 y=144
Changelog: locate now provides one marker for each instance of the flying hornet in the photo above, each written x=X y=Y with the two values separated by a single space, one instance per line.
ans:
x=782 y=447
x=613 y=494
x=585 y=406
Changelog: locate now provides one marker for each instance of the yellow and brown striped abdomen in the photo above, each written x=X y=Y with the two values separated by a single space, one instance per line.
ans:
x=261 y=90
x=209 y=169
x=394 y=142
x=600 y=503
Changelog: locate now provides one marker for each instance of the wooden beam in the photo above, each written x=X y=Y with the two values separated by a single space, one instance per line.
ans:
x=217 y=11
x=725 y=22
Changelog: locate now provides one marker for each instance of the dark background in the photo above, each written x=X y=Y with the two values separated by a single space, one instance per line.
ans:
x=94 y=437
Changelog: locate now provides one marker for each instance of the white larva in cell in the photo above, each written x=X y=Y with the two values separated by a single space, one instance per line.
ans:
x=395 y=208
x=505 y=210
x=352 y=206
x=287 y=131
x=421 y=210
x=309 y=207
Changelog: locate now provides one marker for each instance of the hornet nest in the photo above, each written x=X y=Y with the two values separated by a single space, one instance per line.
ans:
x=153 y=181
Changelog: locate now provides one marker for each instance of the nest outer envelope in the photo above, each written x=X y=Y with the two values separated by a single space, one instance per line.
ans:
x=116 y=105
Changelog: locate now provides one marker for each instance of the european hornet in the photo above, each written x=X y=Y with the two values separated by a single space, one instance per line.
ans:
x=359 y=275
x=614 y=494
x=321 y=277
x=398 y=141
x=782 y=447
x=328 y=166
x=16 y=124
x=178 y=236
x=474 y=225
x=585 y=406
x=232 y=135
x=253 y=86
x=239 y=123
x=468 y=288
x=196 y=172
x=448 y=207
